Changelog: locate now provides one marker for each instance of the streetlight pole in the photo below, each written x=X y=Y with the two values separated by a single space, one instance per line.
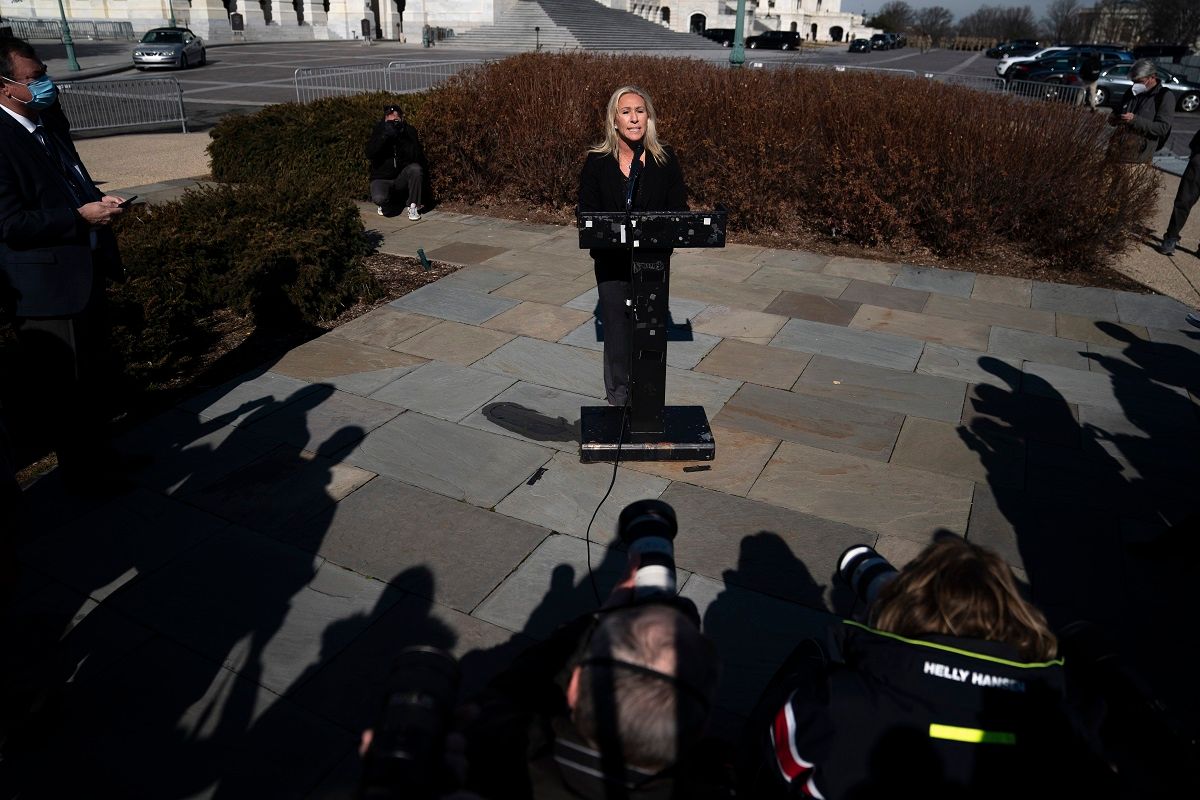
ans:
x=170 y=10
x=737 y=55
x=68 y=42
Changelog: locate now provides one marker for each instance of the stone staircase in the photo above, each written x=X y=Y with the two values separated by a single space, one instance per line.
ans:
x=571 y=24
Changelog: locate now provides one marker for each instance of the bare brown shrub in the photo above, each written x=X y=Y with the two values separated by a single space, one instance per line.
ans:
x=876 y=160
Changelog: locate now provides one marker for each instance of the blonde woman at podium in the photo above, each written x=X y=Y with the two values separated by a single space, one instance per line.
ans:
x=630 y=170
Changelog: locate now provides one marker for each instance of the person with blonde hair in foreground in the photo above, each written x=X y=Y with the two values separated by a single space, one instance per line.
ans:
x=953 y=690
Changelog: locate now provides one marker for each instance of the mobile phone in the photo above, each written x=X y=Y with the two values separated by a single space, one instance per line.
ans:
x=127 y=201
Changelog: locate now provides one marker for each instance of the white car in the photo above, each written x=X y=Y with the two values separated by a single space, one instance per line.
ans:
x=1003 y=64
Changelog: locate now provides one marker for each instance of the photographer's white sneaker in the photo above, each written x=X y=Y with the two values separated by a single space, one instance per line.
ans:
x=413 y=214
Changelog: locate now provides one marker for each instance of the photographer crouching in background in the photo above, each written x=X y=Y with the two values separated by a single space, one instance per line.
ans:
x=397 y=164
x=613 y=705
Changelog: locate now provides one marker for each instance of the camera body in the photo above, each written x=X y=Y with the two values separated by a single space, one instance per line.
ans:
x=647 y=528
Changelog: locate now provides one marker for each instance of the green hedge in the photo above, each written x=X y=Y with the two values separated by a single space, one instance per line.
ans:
x=283 y=254
x=909 y=165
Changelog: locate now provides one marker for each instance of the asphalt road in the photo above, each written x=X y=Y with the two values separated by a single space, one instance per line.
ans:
x=241 y=78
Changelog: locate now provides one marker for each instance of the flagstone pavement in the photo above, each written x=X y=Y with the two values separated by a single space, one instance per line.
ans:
x=229 y=625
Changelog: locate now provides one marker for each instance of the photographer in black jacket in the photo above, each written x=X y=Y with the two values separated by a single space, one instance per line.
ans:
x=397 y=160
x=614 y=704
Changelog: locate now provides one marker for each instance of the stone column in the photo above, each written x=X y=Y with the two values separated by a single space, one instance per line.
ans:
x=344 y=19
x=210 y=21
x=147 y=14
x=252 y=14
x=283 y=14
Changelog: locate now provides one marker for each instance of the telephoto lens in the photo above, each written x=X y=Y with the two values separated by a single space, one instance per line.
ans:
x=406 y=757
x=648 y=528
x=865 y=571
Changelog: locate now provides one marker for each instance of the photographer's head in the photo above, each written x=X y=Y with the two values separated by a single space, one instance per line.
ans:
x=955 y=588
x=393 y=113
x=645 y=685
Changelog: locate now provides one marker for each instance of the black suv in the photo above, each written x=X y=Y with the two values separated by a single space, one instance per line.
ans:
x=774 y=40
x=880 y=41
x=722 y=36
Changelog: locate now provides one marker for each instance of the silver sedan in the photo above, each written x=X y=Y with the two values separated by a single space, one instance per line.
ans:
x=169 y=47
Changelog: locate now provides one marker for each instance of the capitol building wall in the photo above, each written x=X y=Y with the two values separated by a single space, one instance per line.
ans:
x=273 y=20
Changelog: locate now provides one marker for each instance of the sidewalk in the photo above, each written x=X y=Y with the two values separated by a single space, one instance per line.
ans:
x=234 y=618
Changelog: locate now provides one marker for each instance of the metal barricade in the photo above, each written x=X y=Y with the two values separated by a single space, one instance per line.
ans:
x=980 y=82
x=907 y=73
x=135 y=103
x=80 y=29
x=1054 y=92
x=36 y=28
x=397 y=77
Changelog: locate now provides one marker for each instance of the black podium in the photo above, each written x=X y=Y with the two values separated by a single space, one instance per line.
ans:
x=652 y=430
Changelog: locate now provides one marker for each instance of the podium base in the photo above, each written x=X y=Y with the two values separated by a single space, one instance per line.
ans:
x=685 y=436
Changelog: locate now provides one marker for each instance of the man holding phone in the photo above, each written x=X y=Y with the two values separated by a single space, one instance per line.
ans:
x=56 y=250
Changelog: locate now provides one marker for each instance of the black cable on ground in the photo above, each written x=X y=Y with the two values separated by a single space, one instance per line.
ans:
x=587 y=535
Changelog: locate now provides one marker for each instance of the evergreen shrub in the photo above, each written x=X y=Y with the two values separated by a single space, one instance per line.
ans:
x=282 y=255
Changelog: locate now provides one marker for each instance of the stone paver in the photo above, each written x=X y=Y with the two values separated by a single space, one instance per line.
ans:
x=467 y=253
x=757 y=545
x=282 y=489
x=454 y=342
x=270 y=621
x=1110 y=334
x=680 y=310
x=1002 y=289
x=993 y=410
x=333 y=356
x=459 y=462
x=534 y=413
x=559 y=265
x=815 y=421
x=970 y=366
x=738 y=295
x=727 y=322
x=940 y=281
x=815 y=307
x=1082 y=300
x=755 y=363
x=876 y=294
x=794 y=259
x=869 y=347
x=939 y=330
x=326 y=425
x=384 y=327
x=966 y=453
x=540 y=289
x=567 y=493
x=1038 y=348
x=572 y=369
x=452 y=303
x=741 y=455
x=1010 y=316
x=693 y=266
x=863 y=492
x=442 y=390
x=883 y=389
x=862 y=269
x=539 y=321
x=794 y=280
x=256 y=395
x=1151 y=311
x=422 y=542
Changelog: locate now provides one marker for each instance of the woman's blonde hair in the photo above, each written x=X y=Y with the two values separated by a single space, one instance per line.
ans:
x=960 y=589
x=611 y=140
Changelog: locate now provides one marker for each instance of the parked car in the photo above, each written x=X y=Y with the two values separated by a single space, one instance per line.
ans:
x=1114 y=82
x=860 y=46
x=1006 y=48
x=899 y=40
x=169 y=47
x=1003 y=65
x=1056 y=66
x=880 y=42
x=722 y=36
x=774 y=40
x=1021 y=50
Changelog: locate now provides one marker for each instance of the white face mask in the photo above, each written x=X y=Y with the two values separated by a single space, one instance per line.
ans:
x=1139 y=88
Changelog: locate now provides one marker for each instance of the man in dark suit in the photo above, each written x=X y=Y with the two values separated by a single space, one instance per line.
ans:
x=56 y=248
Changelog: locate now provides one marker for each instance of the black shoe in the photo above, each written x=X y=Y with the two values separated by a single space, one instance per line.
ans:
x=1193 y=317
x=1167 y=248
